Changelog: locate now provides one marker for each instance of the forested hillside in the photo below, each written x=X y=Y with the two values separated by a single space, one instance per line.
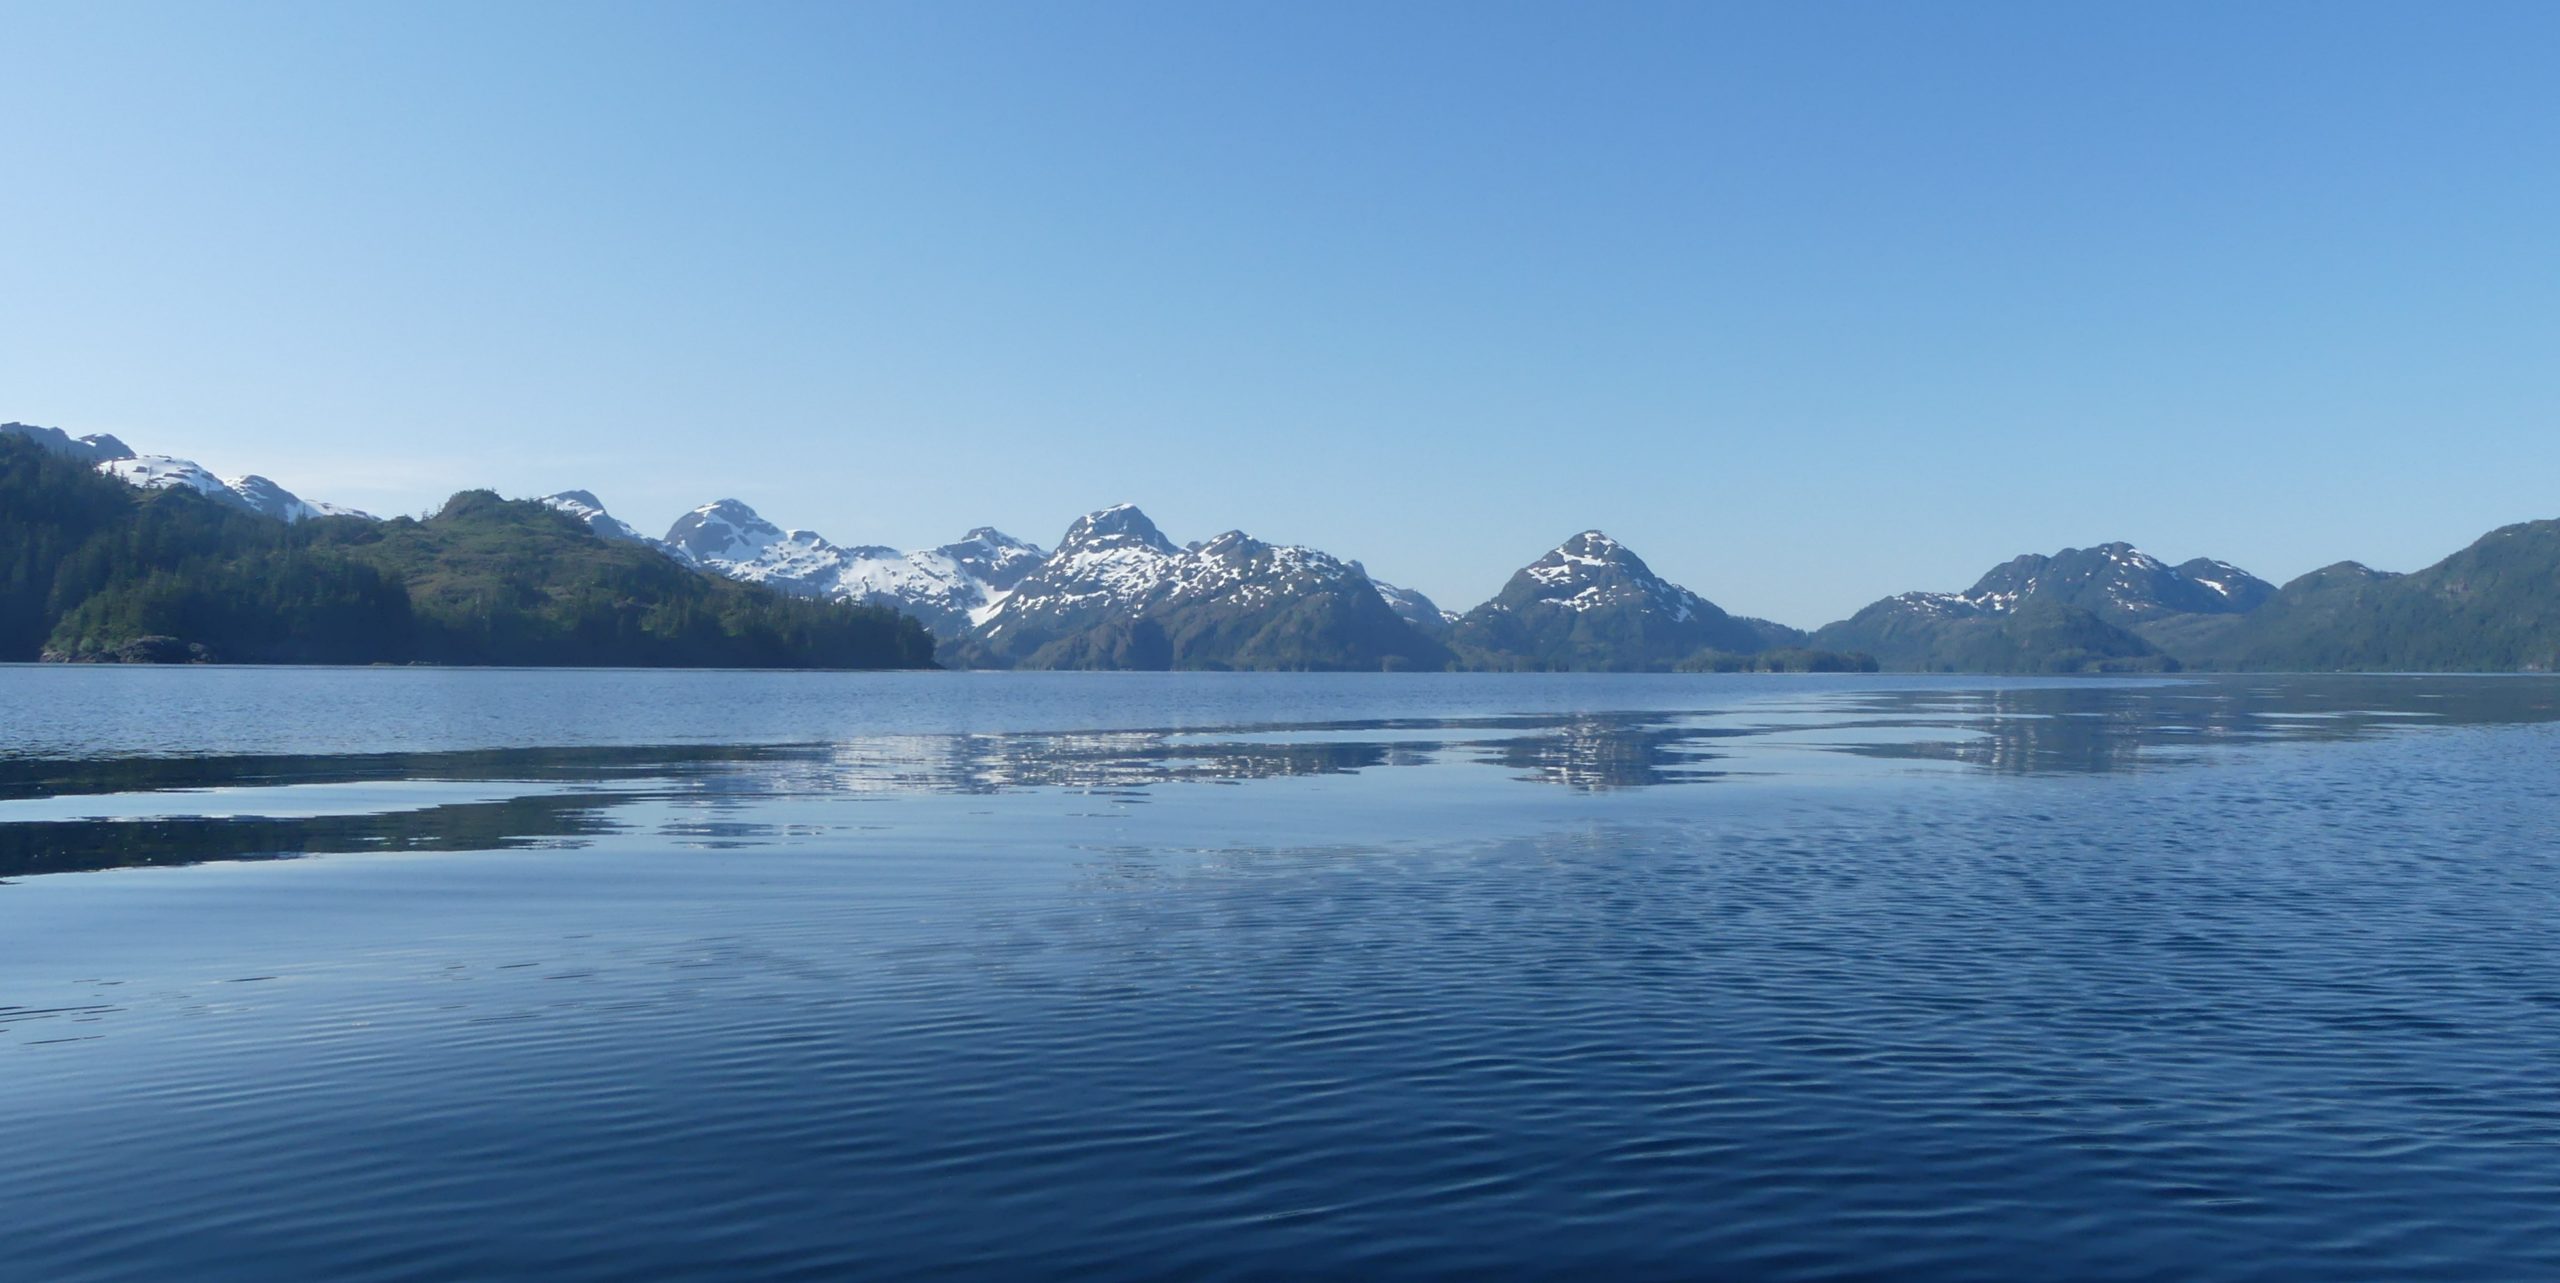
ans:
x=93 y=569
x=2492 y=607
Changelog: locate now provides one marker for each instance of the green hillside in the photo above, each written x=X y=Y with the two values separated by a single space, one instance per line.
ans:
x=2492 y=607
x=2040 y=636
x=96 y=570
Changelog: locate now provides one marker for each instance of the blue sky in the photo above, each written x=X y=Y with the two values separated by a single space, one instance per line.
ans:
x=1806 y=303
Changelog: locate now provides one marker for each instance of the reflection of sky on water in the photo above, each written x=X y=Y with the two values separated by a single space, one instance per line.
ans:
x=67 y=814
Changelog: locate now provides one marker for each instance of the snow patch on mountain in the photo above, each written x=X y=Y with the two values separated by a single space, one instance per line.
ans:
x=1116 y=558
x=1245 y=571
x=1591 y=571
x=1110 y=558
x=993 y=557
x=2111 y=577
x=949 y=588
x=583 y=505
x=1411 y=606
x=1117 y=594
x=251 y=493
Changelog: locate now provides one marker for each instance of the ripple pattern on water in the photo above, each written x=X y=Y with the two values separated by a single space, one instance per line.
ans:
x=2286 y=1006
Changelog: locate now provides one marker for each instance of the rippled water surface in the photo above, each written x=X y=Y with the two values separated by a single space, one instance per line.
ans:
x=372 y=975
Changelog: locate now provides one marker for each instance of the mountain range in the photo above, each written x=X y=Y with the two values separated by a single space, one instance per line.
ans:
x=251 y=493
x=1115 y=592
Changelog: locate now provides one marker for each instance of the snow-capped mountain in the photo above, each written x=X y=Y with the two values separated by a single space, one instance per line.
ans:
x=2118 y=582
x=1118 y=594
x=1108 y=563
x=2118 y=587
x=993 y=557
x=584 y=505
x=728 y=533
x=1592 y=603
x=949 y=588
x=251 y=493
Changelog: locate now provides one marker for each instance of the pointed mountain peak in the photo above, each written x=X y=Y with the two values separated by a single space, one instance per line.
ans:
x=1556 y=611
x=1119 y=526
x=997 y=559
x=2127 y=554
x=1592 y=568
x=2341 y=572
x=723 y=530
x=264 y=496
x=1591 y=543
x=2242 y=589
x=732 y=510
x=989 y=536
x=1587 y=553
x=584 y=505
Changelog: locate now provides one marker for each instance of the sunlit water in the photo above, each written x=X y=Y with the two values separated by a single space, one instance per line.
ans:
x=738 y=976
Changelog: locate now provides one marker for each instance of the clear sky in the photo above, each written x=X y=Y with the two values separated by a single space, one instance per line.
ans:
x=1807 y=303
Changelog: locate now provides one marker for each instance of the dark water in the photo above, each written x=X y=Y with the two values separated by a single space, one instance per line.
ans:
x=493 y=975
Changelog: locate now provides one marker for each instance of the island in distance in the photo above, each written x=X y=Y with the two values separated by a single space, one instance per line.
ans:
x=114 y=556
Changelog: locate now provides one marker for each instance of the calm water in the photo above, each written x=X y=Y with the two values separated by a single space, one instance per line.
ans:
x=373 y=975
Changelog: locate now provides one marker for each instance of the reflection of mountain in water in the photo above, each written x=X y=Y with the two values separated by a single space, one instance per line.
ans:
x=2074 y=728
x=1119 y=760
x=64 y=846
x=1592 y=751
x=718 y=792
x=59 y=777
x=1610 y=752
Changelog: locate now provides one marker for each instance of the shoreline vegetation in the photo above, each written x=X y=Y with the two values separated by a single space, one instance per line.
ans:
x=94 y=570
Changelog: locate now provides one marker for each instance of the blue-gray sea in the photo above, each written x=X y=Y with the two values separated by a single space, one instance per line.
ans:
x=358 y=975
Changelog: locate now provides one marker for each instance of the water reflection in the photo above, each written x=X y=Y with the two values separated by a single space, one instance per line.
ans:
x=22 y=777
x=1613 y=751
x=74 y=814
x=2096 y=728
x=63 y=846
